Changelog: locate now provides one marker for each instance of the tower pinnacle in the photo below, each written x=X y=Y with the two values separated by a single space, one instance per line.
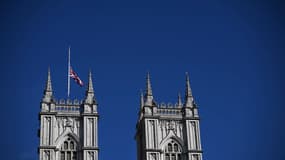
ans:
x=142 y=100
x=90 y=91
x=179 y=100
x=48 y=89
x=148 y=94
x=90 y=84
x=48 y=83
x=188 y=93
x=148 y=85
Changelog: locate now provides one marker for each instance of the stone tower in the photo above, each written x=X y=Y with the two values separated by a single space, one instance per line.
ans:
x=68 y=128
x=166 y=131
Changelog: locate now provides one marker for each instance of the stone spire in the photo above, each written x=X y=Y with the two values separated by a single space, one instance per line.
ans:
x=148 y=85
x=48 y=89
x=142 y=100
x=90 y=97
x=90 y=84
x=148 y=93
x=179 y=103
x=188 y=93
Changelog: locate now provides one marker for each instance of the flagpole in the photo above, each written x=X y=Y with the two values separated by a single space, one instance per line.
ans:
x=68 y=74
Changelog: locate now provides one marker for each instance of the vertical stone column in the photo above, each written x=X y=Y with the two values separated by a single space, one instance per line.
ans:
x=90 y=137
x=151 y=144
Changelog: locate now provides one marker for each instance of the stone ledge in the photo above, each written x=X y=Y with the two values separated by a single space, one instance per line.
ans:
x=194 y=151
x=90 y=148
x=90 y=114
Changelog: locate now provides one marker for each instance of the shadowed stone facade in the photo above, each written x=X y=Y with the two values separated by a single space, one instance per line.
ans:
x=68 y=128
x=168 y=132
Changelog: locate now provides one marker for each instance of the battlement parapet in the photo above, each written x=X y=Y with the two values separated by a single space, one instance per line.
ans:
x=168 y=105
x=68 y=105
x=169 y=109
x=68 y=102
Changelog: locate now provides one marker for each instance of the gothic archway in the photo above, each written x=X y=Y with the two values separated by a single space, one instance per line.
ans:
x=68 y=150
x=172 y=150
x=66 y=134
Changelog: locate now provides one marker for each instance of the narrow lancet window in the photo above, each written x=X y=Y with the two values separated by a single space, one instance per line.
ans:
x=172 y=151
x=68 y=150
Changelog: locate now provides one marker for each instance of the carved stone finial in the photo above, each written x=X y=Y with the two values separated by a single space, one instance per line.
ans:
x=90 y=98
x=188 y=88
x=90 y=84
x=141 y=100
x=48 y=89
x=148 y=94
x=48 y=83
x=179 y=100
x=148 y=86
x=188 y=93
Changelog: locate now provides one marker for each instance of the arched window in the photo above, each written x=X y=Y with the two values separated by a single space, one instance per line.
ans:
x=169 y=147
x=175 y=147
x=172 y=151
x=68 y=150
x=71 y=145
x=65 y=146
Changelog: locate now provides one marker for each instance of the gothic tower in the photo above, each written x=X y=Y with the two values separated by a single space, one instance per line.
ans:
x=68 y=128
x=168 y=132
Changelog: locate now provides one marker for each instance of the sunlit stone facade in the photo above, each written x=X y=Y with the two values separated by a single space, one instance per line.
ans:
x=68 y=128
x=166 y=131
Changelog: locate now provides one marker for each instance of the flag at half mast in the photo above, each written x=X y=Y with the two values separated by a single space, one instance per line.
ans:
x=75 y=77
x=72 y=74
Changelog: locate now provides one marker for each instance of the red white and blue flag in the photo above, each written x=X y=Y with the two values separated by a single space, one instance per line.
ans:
x=72 y=74
x=75 y=77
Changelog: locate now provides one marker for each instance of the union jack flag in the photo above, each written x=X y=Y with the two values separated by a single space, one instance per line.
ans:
x=74 y=76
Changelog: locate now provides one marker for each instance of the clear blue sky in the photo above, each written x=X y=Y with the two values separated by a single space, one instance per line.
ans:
x=233 y=51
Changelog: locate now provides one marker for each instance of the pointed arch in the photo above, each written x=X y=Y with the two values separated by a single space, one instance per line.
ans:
x=64 y=136
x=172 y=140
x=67 y=145
x=172 y=149
x=171 y=136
